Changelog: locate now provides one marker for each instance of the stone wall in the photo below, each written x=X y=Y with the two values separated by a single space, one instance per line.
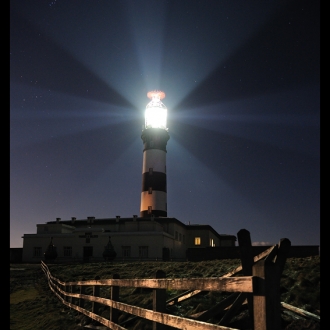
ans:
x=232 y=252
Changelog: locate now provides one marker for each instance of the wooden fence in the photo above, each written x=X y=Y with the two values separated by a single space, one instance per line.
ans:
x=259 y=285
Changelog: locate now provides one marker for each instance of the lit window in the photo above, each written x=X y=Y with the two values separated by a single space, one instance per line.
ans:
x=155 y=116
x=37 y=251
x=197 y=241
x=212 y=242
x=67 y=251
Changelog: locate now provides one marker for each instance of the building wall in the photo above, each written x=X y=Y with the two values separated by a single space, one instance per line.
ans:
x=154 y=242
x=204 y=236
x=133 y=239
x=54 y=228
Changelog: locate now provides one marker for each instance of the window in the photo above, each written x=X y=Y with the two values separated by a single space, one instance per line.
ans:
x=37 y=251
x=67 y=251
x=126 y=251
x=180 y=237
x=183 y=239
x=150 y=190
x=87 y=252
x=88 y=238
x=150 y=171
x=143 y=251
x=197 y=241
x=149 y=209
x=176 y=235
x=212 y=242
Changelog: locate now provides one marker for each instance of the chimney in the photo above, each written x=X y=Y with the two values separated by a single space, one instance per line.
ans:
x=73 y=219
x=58 y=220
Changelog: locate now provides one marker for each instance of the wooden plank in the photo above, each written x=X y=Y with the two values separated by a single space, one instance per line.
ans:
x=174 y=300
x=301 y=312
x=167 y=319
x=170 y=320
x=255 y=259
x=233 y=308
x=238 y=284
x=234 y=272
x=216 y=309
x=263 y=254
x=100 y=319
x=182 y=296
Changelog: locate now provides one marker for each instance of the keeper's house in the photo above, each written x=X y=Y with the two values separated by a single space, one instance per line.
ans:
x=135 y=238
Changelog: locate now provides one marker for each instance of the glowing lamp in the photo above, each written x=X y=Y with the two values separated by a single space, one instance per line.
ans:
x=156 y=111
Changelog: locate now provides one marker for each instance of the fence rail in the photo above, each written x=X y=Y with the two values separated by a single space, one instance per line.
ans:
x=259 y=285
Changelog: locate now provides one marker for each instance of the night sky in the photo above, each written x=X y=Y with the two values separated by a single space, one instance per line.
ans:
x=242 y=85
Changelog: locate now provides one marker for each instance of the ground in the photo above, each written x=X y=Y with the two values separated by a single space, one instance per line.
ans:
x=34 y=306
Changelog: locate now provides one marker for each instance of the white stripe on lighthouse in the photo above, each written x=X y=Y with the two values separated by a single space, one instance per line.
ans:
x=155 y=159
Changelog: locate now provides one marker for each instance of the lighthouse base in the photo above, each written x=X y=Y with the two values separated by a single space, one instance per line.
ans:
x=155 y=213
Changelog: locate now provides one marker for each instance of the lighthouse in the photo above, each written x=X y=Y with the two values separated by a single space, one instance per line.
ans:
x=154 y=136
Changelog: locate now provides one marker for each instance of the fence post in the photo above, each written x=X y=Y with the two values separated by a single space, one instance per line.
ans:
x=266 y=296
x=82 y=291
x=114 y=295
x=65 y=288
x=96 y=293
x=159 y=301
x=283 y=251
x=245 y=248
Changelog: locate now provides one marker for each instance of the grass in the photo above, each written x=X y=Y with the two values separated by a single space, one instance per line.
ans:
x=34 y=306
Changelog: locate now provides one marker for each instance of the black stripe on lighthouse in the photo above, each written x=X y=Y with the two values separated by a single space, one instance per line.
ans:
x=154 y=180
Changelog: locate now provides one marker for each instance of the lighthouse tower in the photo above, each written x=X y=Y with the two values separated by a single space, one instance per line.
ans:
x=154 y=136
